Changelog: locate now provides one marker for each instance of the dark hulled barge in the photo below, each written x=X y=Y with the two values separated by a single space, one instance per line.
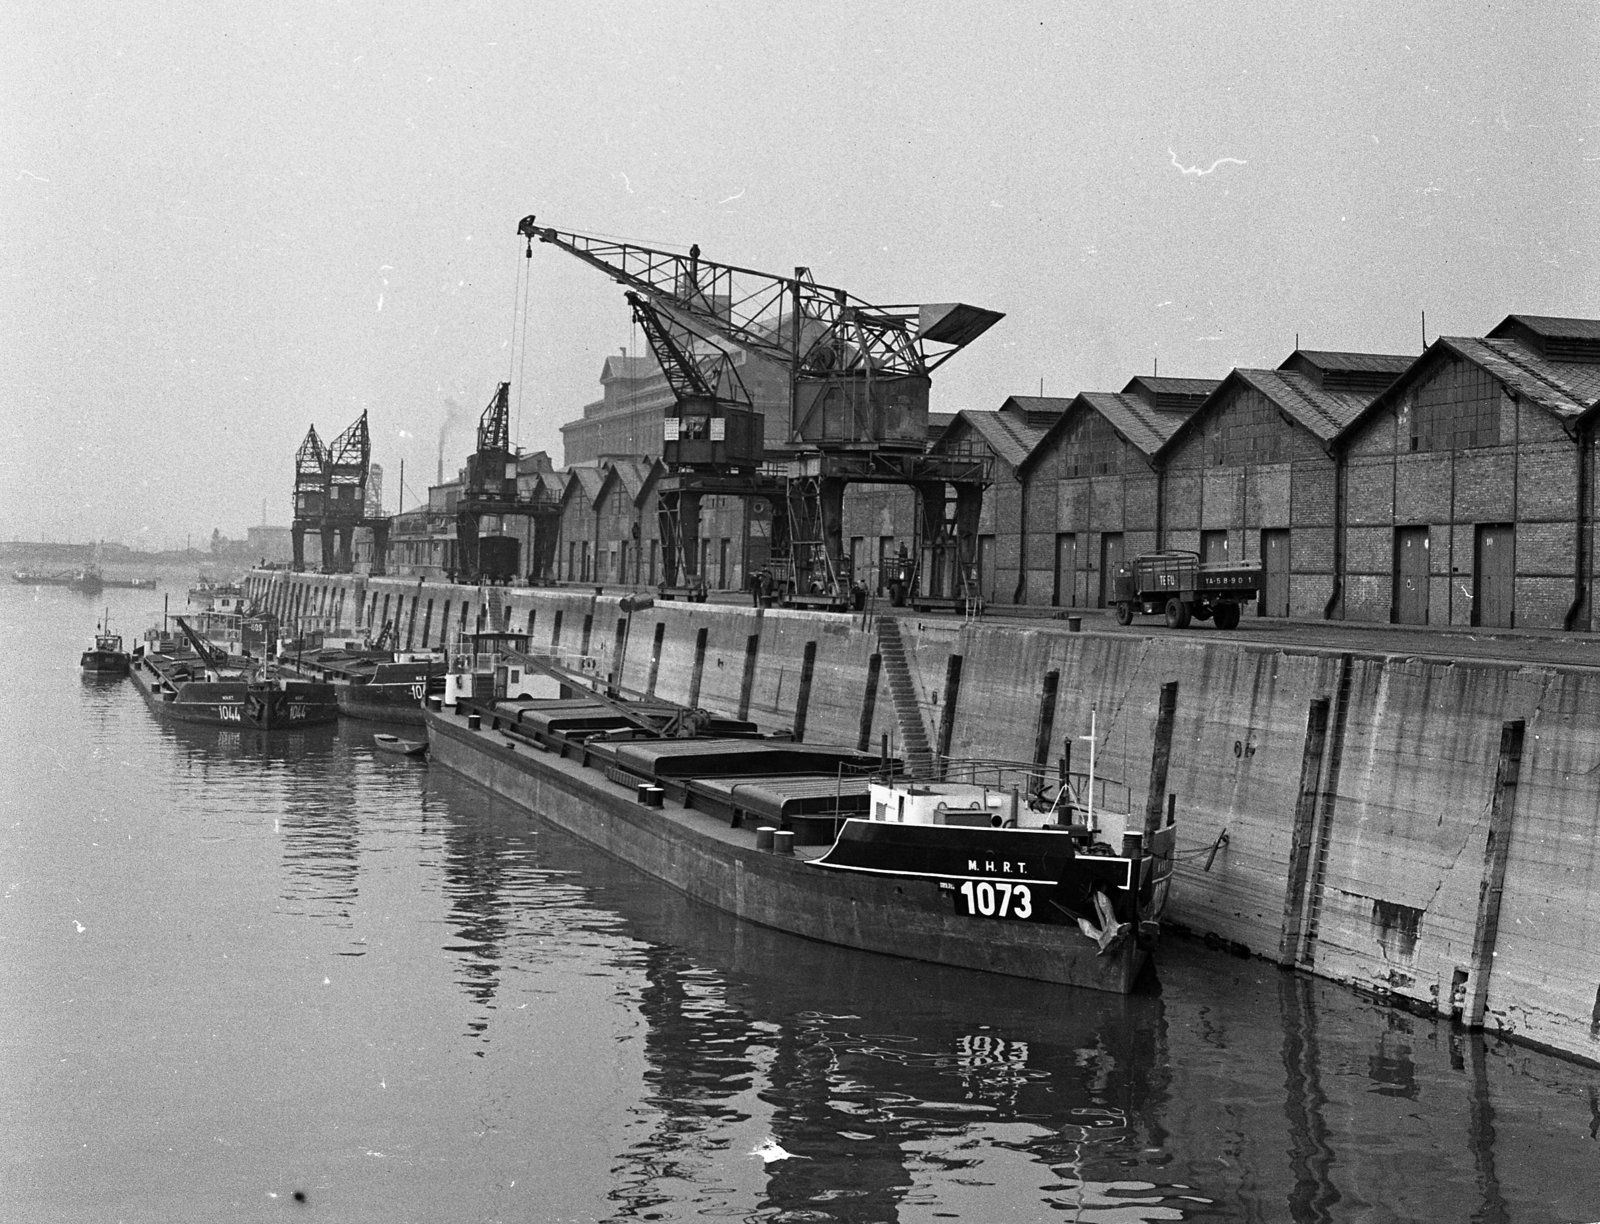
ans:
x=372 y=683
x=200 y=684
x=992 y=874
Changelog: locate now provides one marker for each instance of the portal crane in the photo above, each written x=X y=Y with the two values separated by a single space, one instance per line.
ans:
x=858 y=393
x=712 y=437
x=491 y=490
x=330 y=495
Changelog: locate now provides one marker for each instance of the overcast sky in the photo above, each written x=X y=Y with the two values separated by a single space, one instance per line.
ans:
x=224 y=223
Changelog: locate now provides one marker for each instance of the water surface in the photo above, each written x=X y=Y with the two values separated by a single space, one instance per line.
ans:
x=235 y=970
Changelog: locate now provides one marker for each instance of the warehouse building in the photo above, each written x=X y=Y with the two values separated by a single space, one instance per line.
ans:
x=1097 y=463
x=1454 y=488
x=1011 y=502
x=1469 y=485
x=1251 y=476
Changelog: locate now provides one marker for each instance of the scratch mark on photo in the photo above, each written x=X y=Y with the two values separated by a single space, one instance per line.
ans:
x=1182 y=169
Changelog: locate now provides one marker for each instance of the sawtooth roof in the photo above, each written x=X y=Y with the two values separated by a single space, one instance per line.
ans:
x=1326 y=414
x=584 y=481
x=1143 y=427
x=1133 y=411
x=634 y=474
x=1007 y=434
x=1567 y=390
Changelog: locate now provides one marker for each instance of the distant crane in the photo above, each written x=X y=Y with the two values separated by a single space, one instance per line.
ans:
x=330 y=497
x=491 y=490
x=859 y=378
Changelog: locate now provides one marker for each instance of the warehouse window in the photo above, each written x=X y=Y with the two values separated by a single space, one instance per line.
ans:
x=1458 y=407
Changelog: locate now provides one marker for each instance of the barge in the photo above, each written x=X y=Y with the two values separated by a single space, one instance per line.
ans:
x=201 y=685
x=372 y=683
x=988 y=873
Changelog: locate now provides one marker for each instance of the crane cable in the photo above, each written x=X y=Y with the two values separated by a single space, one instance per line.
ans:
x=521 y=301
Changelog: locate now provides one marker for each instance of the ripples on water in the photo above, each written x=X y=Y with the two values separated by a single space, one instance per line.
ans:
x=239 y=969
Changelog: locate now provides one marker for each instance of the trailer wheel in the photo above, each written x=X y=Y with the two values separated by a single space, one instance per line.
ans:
x=1227 y=616
x=1125 y=613
x=1177 y=614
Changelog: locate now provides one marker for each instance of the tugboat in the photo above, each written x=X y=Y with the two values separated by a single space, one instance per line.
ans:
x=106 y=657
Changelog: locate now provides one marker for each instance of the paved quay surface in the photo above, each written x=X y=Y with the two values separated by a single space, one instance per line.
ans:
x=1514 y=646
x=1537 y=647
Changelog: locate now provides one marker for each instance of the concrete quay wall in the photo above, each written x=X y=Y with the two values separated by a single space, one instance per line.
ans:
x=1421 y=829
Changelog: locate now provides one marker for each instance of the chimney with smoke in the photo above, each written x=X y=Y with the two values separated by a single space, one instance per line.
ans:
x=452 y=417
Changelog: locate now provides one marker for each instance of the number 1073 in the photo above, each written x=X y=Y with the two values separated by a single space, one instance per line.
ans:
x=998 y=900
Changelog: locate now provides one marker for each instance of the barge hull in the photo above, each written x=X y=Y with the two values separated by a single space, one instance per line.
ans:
x=692 y=853
x=381 y=703
x=231 y=705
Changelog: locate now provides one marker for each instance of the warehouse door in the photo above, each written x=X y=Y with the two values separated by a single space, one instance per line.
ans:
x=1066 y=570
x=986 y=568
x=1275 y=572
x=1110 y=560
x=1494 y=563
x=1411 y=575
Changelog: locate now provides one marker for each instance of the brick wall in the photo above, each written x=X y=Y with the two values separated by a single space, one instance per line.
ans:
x=1527 y=476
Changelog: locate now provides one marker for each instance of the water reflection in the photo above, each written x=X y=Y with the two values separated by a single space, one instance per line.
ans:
x=883 y=1090
x=480 y=864
x=508 y=910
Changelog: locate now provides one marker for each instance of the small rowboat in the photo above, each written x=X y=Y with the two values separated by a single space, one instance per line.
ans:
x=404 y=747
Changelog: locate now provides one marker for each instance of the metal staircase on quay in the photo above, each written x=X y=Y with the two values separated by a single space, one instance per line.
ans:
x=908 y=714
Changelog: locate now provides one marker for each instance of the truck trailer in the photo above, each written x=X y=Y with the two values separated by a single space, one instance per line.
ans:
x=1182 y=586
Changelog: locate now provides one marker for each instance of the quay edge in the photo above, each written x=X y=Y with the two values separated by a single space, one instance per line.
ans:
x=1422 y=830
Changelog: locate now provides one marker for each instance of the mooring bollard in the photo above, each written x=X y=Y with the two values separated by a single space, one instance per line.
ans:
x=1074 y=624
x=764 y=837
x=473 y=722
x=782 y=841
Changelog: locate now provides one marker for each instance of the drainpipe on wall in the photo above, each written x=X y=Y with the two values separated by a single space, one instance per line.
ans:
x=1022 y=539
x=1161 y=507
x=1580 y=564
x=1338 y=536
